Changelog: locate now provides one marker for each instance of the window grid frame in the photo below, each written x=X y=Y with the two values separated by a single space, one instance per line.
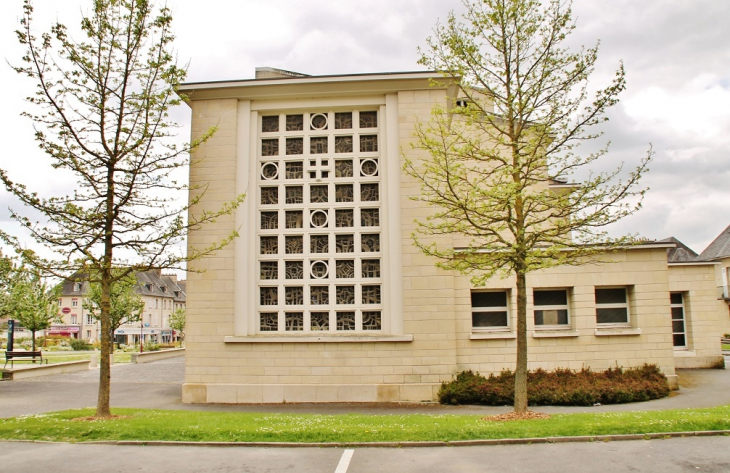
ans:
x=569 y=323
x=614 y=305
x=681 y=305
x=319 y=164
x=492 y=309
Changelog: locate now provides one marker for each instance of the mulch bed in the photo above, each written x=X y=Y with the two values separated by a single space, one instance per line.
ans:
x=94 y=419
x=510 y=416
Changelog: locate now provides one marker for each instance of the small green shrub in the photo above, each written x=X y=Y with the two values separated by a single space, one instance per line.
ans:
x=561 y=387
x=80 y=345
x=151 y=346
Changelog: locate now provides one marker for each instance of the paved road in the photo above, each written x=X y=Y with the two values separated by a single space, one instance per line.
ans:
x=667 y=456
x=158 y=386
x=155 y=385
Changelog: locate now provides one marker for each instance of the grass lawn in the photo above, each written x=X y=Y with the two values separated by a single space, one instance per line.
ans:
x=138 y=424
x=725 y=347
x=64 y=356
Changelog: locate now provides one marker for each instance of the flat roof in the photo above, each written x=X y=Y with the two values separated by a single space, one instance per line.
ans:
x=308 y=78
x=376 y=83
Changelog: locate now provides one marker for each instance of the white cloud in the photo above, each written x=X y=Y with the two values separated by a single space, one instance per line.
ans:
x=700 y=110
x=675 y=52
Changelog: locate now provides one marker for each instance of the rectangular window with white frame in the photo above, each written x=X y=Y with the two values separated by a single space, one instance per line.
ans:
x=612 y=306
x=489 y=310
x=679 y=328
x=551 y=309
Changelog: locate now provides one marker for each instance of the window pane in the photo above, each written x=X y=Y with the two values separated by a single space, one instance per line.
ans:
x=550 y=297
x=679 y=340
x=611 y=296
x=343 y=120
x=319 y=321
x=371 y=320
x=294 y=321
x=675 y=298
x=269 y=322
x=677 y=326
x=489 y=319
x=294 y=122
x=677 y=313
x=551 y=317
x=270 y=124
x=345 y=321
x=489 y=299
x=618 y=315
x=368 y=119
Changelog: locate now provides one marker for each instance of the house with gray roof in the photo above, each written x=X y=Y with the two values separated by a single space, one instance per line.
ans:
x=161 y=293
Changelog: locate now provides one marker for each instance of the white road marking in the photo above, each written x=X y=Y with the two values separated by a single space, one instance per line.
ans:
x=345 y=461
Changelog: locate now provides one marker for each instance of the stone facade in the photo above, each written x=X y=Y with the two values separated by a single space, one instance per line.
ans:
x=703 y=314
x=427 y=315
x=161 y=294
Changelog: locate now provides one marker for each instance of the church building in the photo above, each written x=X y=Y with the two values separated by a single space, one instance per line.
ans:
x=323 y=297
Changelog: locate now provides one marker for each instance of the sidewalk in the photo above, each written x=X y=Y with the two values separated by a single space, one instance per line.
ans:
x=158 y=385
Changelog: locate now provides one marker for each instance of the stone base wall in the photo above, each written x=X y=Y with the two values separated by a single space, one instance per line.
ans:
x=277 y=393
x=690 y=361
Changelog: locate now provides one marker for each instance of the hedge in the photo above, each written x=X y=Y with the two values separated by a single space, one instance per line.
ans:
x=561 y=387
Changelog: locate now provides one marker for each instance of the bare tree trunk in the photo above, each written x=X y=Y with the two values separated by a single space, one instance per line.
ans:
x=102 y=405
x=521 y=369
x=32 y=342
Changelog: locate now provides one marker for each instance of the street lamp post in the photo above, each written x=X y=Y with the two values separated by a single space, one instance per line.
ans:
x=141 y=335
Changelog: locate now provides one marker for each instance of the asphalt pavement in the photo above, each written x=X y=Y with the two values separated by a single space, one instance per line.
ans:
x=705 y=455
x=158 y=385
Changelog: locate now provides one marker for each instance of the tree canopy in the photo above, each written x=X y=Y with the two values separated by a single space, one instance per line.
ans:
x=126 y=304
x=101 y=112
x=178 y=320
x=501 y=158
x=31 y=302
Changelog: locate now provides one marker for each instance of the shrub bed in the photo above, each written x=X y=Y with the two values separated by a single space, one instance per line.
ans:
x=80 y=345
x=561 y=387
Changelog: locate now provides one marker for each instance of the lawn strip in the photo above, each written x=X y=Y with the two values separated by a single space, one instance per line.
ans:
x=186 y=426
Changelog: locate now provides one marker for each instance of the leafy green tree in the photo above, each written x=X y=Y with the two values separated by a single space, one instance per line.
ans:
x=126 y=304
x=6 y=275
x=101 y=114
x=500 y=160
x=177 y=322
x=33 y=304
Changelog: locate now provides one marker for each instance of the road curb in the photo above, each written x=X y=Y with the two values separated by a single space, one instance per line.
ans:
x=404 y=444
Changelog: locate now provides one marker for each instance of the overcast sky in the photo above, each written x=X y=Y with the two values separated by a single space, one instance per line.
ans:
x=676 y=54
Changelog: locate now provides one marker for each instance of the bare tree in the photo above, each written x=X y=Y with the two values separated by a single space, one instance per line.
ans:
x=498 y=155
x=101 y=112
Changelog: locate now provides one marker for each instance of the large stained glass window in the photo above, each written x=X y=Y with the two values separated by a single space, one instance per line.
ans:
x=319 y=254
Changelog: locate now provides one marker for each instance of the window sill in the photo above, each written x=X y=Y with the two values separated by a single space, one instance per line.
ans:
x=556 y=333
x=495 y=335
x=309 y=338
x=684 y=351
x=617 y=331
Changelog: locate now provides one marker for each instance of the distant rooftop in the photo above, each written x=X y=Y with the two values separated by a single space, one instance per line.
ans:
x=681 y=253
x=719 y=248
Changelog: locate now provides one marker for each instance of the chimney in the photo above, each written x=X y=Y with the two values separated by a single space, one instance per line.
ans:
x=273 y=73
